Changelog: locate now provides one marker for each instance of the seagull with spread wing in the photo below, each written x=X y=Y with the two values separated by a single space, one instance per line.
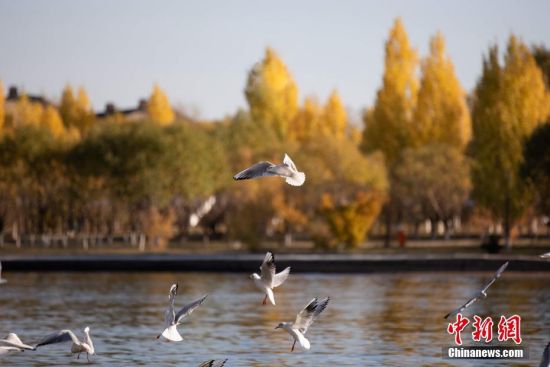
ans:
x=78 y=347
x=482 y=293
x=303 y=321
x=287 y=170
x=213 y=363
x=173 y=319
x=268 y=278
x=12 y=343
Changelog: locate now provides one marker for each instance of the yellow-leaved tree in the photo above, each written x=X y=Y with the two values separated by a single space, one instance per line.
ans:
x=27 y=112
x=158 y=107
x=51 y=120
x=272 y=94
x=2 y=107
x=307 y=120
x=76 y=111
x=441 y=115
x=334 y=119
x=510 y=101
x=388 y=123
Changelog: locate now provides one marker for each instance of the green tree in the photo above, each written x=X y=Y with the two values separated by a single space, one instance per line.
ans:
x=441 y=115
x=159 y=108
x=272 y=94
x=509 y=102
x=536 y=167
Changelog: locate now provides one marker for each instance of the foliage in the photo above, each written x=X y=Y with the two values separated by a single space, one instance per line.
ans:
x=272 y=94
x=2 y=107
x=76 y=111
x=536 y=167
x=441 y=115
x=27 y=112
x=158 y=107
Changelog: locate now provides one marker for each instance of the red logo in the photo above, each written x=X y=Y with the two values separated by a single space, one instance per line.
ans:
x=508 y=328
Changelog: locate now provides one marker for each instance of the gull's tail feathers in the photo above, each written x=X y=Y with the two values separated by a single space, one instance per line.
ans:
x=302 y=340
x=172 y=334
x=297 y=179
x=271 y=296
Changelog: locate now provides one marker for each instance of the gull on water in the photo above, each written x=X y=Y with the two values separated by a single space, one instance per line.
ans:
x=268 y=278
x=2 y=280
x=173 y=319
x=287 y=170
x=303 y=321
x=545 y=361
x=78 y=347
x=482 y=293
x=213 y=363
x=12 y=343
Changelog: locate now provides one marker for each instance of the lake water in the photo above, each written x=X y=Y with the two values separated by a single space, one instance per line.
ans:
x=372 y=320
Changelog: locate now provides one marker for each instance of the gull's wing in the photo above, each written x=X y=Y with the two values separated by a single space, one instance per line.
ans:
x=495 y=277
x=461 y=308
x=306 y=317
x=213 y=363
x=267 y=269
x=6 y=350
x=59 y=337
x=12 y=340
x=188 y=309
x=280 y=278
x=289 y=163
x=257 y=170
x=173 y=292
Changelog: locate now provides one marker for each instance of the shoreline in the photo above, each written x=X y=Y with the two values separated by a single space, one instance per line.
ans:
x=245 y=263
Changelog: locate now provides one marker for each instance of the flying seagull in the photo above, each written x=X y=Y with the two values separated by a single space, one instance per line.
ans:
x=213 y=363
x=173 y=319
x=287 y=170
x=12 y=343
x=2 y=280
x=545 y=361
x=303 y=321
x=482 y=293
x=78 y=347
x=268 y=278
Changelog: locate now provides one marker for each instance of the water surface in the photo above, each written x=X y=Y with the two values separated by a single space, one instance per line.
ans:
x=372 y=320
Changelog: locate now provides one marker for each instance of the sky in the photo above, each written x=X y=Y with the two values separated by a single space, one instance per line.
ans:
x=199 y=52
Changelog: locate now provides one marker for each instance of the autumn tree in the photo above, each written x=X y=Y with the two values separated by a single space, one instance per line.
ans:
x=542 y=57
x=27 y=112
x=272 y=94
x=158 y=107
x=2 y=107
x=441 y=115
x=510 y=101
x=51 y=120
x=76 y=110
x=307 y=121
x=388 y=124
x=334 y=117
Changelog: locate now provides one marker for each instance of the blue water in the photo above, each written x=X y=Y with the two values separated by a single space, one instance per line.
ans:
x=372 y=320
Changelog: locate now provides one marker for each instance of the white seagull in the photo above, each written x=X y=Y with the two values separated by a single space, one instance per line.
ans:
x=173 y=319
x=12 y=343
x=482 y=293
x=268 y=278
x=303 y=321
x=213 y=363
x=78 y=347
x=545 y=361
x=2 y=280
x=287 y=170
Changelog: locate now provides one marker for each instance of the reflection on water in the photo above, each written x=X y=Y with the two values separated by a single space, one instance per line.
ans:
x=372 y=320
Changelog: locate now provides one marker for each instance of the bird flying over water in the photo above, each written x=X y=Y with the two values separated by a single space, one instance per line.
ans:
x=303 y=321
x=268 y=278
x=173 y=319
x=78 y=347
x=287 y=170
x=213 y=363
x=12 y=343
x=482 y=293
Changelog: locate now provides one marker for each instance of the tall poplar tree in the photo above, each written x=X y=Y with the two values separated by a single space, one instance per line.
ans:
x=509 y=102
x=441 y=115
x=159 y=108
x=272 y=94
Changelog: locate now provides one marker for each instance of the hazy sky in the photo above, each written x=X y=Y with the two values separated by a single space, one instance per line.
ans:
x=200 y=51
